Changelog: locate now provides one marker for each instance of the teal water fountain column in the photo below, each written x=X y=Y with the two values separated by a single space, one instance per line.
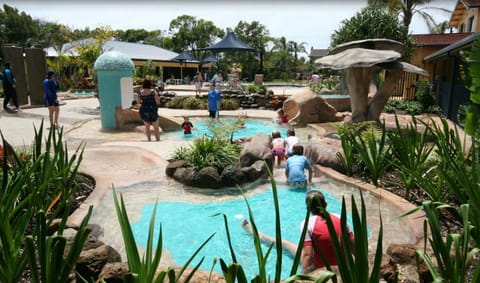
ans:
x=115 y=85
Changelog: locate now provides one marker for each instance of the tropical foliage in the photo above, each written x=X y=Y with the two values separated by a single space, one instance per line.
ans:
x=37 y=185
x=215 y=150
x=406 y=10
x=184 y=32
x=373 y=22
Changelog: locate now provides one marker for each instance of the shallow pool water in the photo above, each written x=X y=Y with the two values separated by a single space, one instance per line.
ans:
x=186 y=217
x=251 y=127
x=186 y=225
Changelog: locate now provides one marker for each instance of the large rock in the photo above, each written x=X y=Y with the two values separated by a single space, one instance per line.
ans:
x=256 y=170
x=232 y=176
x=92 y=261
x=173 y=166
x=306 y=106
x=257 y=149
x=114 y=272
x=185 y=175
x=324 y=152
x=207 y=177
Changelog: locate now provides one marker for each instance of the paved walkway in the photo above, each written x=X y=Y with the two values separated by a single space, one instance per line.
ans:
x=81 y=122
x=123 y=159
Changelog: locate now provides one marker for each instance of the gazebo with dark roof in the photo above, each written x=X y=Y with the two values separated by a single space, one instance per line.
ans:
x=231 y=42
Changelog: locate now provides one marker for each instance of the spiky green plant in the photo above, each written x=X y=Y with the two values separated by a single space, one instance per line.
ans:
x=32 y=183
x=51 y=259
x=449 y=268
x=373 y=152
x=348 y=156
x=411 y=151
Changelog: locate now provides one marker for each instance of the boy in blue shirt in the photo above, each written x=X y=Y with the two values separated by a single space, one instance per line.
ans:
x=296 y=166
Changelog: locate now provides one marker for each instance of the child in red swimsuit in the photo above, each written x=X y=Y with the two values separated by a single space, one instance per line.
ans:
x=187 y=126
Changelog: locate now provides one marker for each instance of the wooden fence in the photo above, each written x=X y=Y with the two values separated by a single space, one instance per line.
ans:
x=405 y=88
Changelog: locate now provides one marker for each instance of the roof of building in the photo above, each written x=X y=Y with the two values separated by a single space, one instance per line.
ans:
x=136 y=51
x=453 y=48
x=460 y=11
x=318 y=53
x=443 y=39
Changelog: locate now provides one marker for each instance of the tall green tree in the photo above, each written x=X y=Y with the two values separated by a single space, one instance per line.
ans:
x=407 y=9
x=192 y=34
x=54 y=35
x=17 y=27
x=257 y=36
x=373 y=22
x=296 y=48
x=132 y=35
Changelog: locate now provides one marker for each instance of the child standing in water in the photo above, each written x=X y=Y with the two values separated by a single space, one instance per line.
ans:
x=278 y=147
x=290 y=141
x=187 y=126
x=295 y=168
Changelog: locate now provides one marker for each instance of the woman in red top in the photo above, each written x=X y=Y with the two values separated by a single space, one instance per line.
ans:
x=317 y=231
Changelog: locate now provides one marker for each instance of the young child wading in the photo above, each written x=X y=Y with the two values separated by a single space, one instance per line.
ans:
x=278 y=147
x=187 y=126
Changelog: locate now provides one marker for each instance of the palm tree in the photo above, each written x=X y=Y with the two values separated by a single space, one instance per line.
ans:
x=408 y=8
x=296 y=48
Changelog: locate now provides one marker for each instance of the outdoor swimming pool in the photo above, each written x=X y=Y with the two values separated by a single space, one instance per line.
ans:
x=184 y=208
x=186 y=225
x=252 y=127
x=186 y=218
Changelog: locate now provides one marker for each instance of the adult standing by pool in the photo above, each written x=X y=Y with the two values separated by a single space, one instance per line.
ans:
x=149 y=101
x=50 y=87
x=198 y=79
x=235 y=75
x=9 y=84
x=214 y=98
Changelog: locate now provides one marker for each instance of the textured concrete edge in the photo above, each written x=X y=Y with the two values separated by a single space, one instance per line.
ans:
x=104 y=182
x=414 y=220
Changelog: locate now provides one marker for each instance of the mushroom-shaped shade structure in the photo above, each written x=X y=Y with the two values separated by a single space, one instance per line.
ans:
x=362 y=60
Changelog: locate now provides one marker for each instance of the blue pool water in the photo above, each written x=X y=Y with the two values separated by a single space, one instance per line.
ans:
x=185 y=226
x=252 y=127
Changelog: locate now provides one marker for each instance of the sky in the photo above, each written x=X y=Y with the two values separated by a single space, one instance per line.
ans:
x=308 y=21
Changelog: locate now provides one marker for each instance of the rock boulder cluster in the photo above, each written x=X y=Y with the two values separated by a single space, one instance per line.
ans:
x=255 y=157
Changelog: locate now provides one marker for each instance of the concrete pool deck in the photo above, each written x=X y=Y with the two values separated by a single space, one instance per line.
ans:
x=123 y=158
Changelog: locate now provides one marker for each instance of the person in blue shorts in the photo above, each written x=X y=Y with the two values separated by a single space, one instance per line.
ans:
x=51 y=86
x=296 y=166
x=213 y=102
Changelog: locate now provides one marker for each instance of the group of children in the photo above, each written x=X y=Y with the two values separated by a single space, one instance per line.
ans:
x=288 y=148
x=291 y=150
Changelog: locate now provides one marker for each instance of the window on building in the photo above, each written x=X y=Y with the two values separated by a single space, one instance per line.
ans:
x=470 y=24
x=462 y=28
